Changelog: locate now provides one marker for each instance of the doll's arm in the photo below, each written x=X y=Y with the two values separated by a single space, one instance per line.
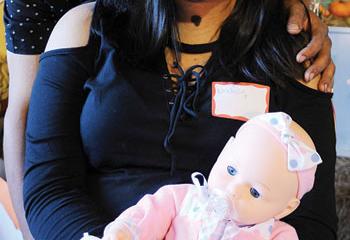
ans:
x=150 y=218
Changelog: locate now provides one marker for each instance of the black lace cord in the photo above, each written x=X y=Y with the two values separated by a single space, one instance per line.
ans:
x=183 y=104
x=193 y=112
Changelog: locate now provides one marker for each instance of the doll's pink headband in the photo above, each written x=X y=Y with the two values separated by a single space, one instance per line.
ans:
x=301 y=158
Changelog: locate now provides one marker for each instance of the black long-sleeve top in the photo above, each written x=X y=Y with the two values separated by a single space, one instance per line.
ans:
x=95 y=142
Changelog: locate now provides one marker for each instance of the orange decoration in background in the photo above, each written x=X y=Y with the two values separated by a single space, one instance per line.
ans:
x=324 y=11
x=340 y=9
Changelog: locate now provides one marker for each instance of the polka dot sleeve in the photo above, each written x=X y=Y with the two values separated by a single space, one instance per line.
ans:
x=28 y=24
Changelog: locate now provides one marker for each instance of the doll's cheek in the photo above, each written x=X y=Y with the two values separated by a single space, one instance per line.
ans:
x=218 y=180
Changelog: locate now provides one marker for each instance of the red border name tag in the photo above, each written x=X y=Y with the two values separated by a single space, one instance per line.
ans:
x=239 y=100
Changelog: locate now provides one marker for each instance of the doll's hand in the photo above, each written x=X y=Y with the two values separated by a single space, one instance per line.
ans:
x=117 y=231
x=319 y=48
x=119 y=235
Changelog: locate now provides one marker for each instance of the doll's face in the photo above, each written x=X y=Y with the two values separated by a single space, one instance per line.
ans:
x=253 y=172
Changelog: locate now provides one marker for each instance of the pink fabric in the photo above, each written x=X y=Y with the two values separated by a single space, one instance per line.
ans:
x=161 y=216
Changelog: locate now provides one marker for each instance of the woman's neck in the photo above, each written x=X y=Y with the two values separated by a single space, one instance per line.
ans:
x=199 y=21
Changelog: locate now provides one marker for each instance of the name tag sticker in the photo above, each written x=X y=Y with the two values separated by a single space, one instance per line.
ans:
x=238 y=100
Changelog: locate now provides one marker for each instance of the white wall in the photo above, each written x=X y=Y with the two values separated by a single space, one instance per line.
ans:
x=341 y=100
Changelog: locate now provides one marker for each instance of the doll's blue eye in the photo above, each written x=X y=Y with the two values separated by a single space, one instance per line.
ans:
x=254 y=193
x=231 y=170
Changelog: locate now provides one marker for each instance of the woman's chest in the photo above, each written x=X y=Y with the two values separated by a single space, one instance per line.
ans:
x=138 y=113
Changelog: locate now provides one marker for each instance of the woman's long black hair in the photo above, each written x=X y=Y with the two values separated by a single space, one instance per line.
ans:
x=253 y=43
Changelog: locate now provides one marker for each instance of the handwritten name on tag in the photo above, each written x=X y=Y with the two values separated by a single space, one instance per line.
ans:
x=239 y=100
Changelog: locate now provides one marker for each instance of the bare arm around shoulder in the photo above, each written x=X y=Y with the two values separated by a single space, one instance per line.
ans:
x=23 y=70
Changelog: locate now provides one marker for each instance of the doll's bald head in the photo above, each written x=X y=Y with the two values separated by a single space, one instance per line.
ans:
x=300 y=153
x=266 y=169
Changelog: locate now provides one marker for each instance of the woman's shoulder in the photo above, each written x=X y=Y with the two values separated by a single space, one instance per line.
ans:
x=312 y=87
x=73 y=29
x=313 y=84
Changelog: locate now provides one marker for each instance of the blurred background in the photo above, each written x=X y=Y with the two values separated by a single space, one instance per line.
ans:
x=337 y=15
x=341 y=56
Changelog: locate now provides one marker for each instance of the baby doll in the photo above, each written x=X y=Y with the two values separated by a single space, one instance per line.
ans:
x=259 y=178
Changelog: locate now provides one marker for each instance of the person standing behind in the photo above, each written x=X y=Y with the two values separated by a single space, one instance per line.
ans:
x=28 y=27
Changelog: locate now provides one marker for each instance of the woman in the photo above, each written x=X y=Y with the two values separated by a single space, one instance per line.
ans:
x=141 y=101
x=28 y=27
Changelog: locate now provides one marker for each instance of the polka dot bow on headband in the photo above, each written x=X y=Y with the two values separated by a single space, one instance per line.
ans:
x=300 y=156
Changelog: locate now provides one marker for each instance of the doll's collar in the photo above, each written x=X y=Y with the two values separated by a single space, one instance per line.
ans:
x=262 y=229
x=195 y=179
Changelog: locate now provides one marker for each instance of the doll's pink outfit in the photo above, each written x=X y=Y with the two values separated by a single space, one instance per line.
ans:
x=191 y=212
x=197 y=212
